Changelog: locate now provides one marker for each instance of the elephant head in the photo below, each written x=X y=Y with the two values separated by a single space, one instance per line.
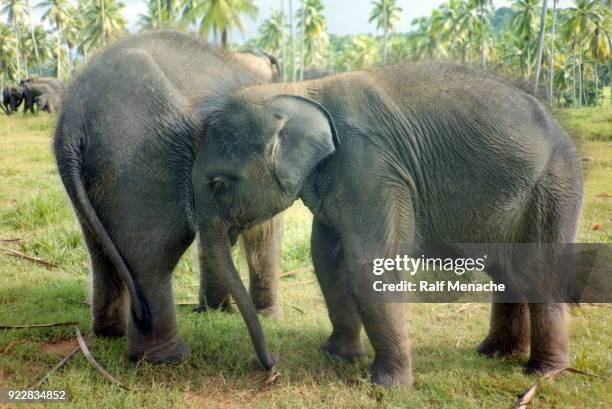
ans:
x=266 y=65
x=251 y=166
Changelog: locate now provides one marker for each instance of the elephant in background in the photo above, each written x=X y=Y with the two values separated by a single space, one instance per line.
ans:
x=52 y=89
x=313 y=73
x=12 y=97
x=388 y=162
x=48 y=102
x=125 y=146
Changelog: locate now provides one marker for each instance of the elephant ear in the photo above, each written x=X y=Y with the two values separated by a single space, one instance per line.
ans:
x=307 y=136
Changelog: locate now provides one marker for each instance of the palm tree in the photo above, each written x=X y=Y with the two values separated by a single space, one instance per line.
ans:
x=551 y=68
x=313 y=27
x=581 y=23
x=484 y=7
x=271 y=33
x=524 y=22
x=292 y=38
x=57 y=14
x=7 y=51
x=599 y=42
x=362 y=52
x=219 y=16
x=386 y=13
x=102 y=23
x=15 y=11
x=536 y=75
x=161 y=14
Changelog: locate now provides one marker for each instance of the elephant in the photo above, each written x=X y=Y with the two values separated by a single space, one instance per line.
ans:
x=389 y=161
x=35 y=88
x=12 y=97
x=261 y=62
x=317 y=72
x=48 y=102
x=124 y=145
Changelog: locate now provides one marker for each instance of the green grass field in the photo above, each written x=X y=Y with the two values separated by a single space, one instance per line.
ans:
x=223 y=371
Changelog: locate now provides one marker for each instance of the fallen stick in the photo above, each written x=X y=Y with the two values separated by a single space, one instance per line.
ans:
x=526 y=397
x=9 y=241
x=297 y=271
x=92 y=360
x=55 y=368
x=15 y=253
x=55 y=324
x=299 y=283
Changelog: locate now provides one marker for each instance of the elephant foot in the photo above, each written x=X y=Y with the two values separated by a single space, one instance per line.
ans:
x=502 y=347
x=112 y=329
x=274 y=312
x=541 y=366
x=390 y=375
x=222 y=307
x=343 y=351
x=171 y=350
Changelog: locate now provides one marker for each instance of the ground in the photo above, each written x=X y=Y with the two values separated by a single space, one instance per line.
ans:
x=223 y=371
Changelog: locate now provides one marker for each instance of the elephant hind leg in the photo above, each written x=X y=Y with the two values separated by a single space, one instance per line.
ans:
x=110 y=299
x=509 y=330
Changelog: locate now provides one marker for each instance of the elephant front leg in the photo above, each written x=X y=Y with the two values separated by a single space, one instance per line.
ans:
x=262 y=249
x=509 y=329
x=549 y=337
x=344 y=342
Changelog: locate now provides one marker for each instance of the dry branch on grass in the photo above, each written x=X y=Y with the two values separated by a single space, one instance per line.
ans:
x=297 y=271
x=93 y=361
x=55 y=368
x=82 y=347
x=526 y=397
x=9 y=241
x=55 y=324
x=15 y=253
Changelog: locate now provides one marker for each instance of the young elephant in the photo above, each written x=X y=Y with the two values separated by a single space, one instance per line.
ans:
x=125 y=145
x=388 y=161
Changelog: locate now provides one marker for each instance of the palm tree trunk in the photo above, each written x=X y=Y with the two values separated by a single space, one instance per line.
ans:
x=292 y=40
x=482 y=36
x=224 y=38
x=282 y=39
x=59 y=45
x=302 y=38
x=36 y=54
x=103 y=9
x=580 y=76
x=538 y=66
x=18 y=58
x=159 y=21
x=596 y=75
x=574 y=82
x=551 y=68
x=386 y=39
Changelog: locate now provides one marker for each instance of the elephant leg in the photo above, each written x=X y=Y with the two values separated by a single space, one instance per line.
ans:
x=110 y=300
x=262 y=249
x=508 y=331
x=549 y=337
x=213 y=294
x=344 y=342
x=152 y=265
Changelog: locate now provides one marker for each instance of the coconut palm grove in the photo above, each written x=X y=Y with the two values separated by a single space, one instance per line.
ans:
x=565 y=51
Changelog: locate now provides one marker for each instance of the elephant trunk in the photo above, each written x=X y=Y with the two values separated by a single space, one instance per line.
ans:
x=217 y=255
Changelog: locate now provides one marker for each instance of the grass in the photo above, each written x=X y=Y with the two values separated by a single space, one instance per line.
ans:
x=222 y=371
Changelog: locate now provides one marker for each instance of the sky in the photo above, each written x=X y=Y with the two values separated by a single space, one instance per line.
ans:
x=343 y=16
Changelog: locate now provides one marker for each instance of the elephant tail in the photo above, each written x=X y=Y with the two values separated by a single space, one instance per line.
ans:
x=69 y=161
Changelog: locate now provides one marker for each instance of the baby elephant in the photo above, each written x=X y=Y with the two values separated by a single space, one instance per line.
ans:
x=389 y=161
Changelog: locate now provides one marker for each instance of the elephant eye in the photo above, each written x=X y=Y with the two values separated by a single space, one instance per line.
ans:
x=219 y=184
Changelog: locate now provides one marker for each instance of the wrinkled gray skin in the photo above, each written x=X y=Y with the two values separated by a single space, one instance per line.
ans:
x=34 y=88
x=125 y=145
x=388 y=161
x=12 y=97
